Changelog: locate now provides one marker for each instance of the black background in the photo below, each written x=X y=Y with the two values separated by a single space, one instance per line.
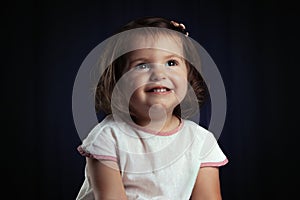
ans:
x=253 y=43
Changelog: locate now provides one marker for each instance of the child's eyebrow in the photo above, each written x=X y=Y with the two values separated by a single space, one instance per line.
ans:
x=174 y=56
x=148 y=59
x=140 y=59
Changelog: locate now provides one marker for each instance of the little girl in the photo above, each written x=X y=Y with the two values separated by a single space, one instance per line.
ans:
x=146 y=147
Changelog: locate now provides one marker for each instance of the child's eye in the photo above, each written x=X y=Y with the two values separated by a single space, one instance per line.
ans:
x=171 y=63
x=143 y=66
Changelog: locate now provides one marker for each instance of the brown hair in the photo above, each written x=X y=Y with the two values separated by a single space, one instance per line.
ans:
x=114 y=71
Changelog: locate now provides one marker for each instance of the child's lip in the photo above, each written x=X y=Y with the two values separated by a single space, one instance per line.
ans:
x=157 y=87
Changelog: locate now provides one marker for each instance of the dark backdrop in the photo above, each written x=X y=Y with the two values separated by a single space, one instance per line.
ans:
x=254 y=44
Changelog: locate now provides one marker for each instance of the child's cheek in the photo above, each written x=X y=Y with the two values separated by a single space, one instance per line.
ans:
x=137 y=80
x=181 y=84
x=131 y=81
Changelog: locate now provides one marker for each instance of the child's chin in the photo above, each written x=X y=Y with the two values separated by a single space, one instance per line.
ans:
x=159 y=110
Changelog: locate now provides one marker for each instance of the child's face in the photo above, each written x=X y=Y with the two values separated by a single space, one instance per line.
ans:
x=157 y=77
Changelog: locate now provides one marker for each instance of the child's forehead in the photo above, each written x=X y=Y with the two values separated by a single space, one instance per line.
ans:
x=149 y=53
x=158 y=42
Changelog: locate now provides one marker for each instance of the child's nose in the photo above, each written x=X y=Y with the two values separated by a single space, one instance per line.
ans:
x=158 y=72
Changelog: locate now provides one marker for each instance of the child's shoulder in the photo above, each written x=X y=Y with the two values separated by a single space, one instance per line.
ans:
x=191 y=124
x=109 y=123
x=195 y=129
x=106 y=126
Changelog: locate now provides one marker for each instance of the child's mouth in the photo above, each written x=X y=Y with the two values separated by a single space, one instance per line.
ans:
x=159 y=90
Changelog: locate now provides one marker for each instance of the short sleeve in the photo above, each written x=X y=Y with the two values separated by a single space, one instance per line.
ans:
x=212 y=155
x=99 y=144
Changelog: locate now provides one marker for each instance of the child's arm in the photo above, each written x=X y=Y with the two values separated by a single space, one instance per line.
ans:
x=207 y=186
x=106 y=181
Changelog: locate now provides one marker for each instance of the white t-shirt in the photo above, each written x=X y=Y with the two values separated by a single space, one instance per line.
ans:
x=156 y=166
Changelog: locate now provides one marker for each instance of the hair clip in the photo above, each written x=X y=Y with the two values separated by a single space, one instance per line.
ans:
x=181 y=26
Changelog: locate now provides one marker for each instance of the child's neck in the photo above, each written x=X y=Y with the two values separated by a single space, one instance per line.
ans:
x=164 y=123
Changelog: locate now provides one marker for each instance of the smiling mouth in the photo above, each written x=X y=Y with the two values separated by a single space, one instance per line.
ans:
x=159 y=90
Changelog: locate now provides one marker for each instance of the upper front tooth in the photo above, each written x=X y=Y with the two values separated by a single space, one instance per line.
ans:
x=160 y=90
